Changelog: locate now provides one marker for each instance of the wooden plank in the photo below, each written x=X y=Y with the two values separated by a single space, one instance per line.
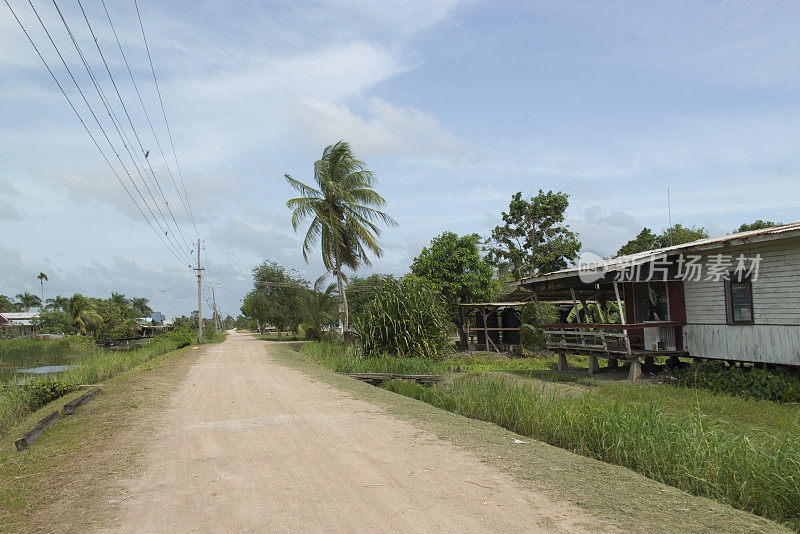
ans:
x=27 y=440
x=379 y=377
x=71 y=406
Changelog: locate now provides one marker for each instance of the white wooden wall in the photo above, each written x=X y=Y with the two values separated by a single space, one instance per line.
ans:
x=775 y=336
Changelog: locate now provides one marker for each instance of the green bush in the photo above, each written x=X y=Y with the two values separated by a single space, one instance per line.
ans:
x=406 y=318
x=533 y=318
x=778 y=386
x=344 y=359
x=45 y=391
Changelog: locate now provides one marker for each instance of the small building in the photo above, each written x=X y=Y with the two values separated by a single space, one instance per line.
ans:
x=22 y=321
x=16 y=319
x=734 y=297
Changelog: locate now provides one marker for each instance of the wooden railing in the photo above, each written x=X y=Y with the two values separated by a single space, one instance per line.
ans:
x=613 y=339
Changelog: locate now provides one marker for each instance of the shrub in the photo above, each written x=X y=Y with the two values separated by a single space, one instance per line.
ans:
x=778 y=386
x=45 y=391
x=406 y=318
x=532 y=321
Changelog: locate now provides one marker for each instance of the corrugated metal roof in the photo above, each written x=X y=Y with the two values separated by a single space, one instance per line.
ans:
x=776 y=232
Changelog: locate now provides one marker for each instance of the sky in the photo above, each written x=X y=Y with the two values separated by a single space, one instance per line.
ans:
x=454 y=105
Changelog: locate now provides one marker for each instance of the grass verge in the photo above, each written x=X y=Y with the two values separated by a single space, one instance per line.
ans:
x=619 y=498
x=69 y=480
x=689 y=453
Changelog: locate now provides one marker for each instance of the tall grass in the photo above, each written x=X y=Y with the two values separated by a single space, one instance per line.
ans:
x=347 y=360
x=687 y=452
x=95 y=365
x=20 y=352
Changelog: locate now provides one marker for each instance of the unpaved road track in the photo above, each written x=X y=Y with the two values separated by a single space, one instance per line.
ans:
x=249 y=445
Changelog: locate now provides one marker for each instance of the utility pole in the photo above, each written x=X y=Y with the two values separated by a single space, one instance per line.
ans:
x=214 y=304
x=199 y=296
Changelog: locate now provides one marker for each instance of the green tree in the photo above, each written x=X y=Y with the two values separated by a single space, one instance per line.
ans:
x=319 y=309
x=342 y=214
x=534 y=238
x=141 y=306
x=55 y=322
x=454 y=266
x=6 y=304
x=58 y=303
x=273 y=299
x=646 y=240
x=362 y=289
x=675 y=235
x=757 y=225
x=119 y=299
x=42 y=279
x=27 y=301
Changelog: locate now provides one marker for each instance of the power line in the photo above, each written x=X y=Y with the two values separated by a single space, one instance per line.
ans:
x=147 y=116
x=164 y=112
x=133 y=128
x=85 y=126
x=114 y=120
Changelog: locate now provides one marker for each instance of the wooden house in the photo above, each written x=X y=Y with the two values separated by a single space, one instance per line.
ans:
x=734 y=297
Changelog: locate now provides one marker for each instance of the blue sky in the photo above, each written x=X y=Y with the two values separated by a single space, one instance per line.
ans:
x=454 y=105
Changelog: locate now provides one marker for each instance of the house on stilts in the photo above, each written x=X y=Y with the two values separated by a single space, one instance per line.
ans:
x=734 y=298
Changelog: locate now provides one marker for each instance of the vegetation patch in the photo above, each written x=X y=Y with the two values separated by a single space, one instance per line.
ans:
x=96 y=365
x=773 y=385
x=407 y=317
x=688 y=452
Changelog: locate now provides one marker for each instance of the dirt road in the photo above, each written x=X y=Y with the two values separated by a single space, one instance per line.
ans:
x=250 y=445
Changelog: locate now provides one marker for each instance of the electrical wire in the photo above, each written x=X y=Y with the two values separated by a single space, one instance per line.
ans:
x=133 y=128
x=115 y=122
x=164 y=112
x=147 y=116
x=86 y=127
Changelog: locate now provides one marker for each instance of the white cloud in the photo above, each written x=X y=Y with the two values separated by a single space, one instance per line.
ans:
x=402 y=132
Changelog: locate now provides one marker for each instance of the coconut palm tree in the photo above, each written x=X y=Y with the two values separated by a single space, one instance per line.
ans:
x=341 y=212
x=319 y=309
x=42 y=278
x=140 y=306
x=28 y=300
x=120 y=300
x=57 y=303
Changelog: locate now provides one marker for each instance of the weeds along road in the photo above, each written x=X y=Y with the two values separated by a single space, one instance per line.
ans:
x=248 y=444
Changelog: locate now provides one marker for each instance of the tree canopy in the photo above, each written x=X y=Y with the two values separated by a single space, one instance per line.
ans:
x=273 y=299
x=534 y=237
x=675 y=235
x=453 y=265
x=758 y=224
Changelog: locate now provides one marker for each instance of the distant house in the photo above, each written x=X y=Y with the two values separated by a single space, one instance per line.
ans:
x=14 y=319
x=734 y=297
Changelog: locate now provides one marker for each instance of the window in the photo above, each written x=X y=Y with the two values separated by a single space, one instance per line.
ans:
x=739 y=301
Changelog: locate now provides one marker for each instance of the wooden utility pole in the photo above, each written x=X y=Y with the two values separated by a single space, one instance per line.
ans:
x=214 y=304
x=199 y=296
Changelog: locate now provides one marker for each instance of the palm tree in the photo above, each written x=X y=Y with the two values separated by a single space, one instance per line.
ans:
x=42 y=277
x=58 y=303
x=140 y=306
x=343 y=221
x=319 y=309
x=120 y=300
x=28 y=300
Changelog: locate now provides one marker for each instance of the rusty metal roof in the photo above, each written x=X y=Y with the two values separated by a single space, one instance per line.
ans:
x=784 y=231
